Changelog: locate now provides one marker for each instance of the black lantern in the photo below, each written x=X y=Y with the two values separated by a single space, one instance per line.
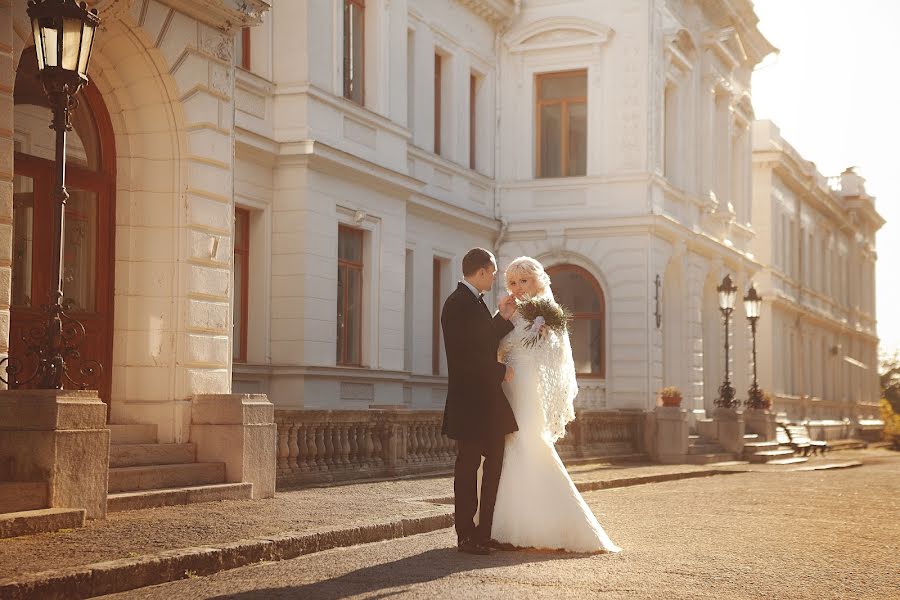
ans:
x=752 y=306
x=63 y=36
x=727 y=295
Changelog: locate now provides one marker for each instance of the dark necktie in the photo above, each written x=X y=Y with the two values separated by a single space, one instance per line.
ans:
x=481 y=301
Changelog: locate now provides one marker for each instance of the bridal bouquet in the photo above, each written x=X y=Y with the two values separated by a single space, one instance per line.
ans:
x=542 y=312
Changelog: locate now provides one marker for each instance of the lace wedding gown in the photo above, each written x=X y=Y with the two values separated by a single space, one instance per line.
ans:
x=537 y=504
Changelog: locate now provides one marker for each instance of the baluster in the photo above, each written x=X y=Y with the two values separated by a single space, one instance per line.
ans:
x=283 y=446
x=293 y=450
x=329 y=446
x=321 y=465
x=413 y=443
x=345 y=445
x=302 y=448
x=367 y=446
x=352 y=447
x=433 y=451
x=377 y=446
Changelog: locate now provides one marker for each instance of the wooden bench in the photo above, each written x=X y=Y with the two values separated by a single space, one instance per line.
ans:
x=797 y=436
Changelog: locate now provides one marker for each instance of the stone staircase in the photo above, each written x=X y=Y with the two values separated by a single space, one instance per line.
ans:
x=770 y=453
x=704 y=451
x=144 y=473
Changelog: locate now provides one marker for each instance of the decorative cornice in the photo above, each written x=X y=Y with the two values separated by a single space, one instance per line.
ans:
x=495 y=11
x=227 y=15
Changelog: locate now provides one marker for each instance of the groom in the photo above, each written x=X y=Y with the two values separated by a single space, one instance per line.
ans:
x=477 y=414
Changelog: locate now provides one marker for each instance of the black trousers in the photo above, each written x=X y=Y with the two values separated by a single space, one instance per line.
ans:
x=465 y=482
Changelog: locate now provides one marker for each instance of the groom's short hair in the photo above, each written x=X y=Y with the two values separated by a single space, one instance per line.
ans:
x=476 y=258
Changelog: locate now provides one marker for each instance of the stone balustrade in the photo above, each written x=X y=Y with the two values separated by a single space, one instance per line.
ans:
x=321 y=446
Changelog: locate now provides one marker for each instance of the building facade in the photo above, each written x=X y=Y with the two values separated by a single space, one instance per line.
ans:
x=377 y=141
x=816 y=237
x=274 y=197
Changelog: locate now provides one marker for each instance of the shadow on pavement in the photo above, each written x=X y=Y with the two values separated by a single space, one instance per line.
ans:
x=421 y=568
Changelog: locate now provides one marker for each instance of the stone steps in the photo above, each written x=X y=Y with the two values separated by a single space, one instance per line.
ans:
x=769 y=456
x=134 y=455
x=29 y=522
x=151 y=477
x=705 y=459
x=132 y=433
x=18 y=496
x=178 y=495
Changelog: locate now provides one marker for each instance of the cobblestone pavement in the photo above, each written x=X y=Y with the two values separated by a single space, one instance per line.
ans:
x=140 y=532
x=763 y=534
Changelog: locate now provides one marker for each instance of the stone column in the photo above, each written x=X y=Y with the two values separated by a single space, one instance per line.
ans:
x=58 y=437
x=239 y=430
x=730 y=429
x=671 y=434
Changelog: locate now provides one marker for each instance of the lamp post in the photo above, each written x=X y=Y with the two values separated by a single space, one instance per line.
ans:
x=63 y=36
x=727 y=294
x=752 y=305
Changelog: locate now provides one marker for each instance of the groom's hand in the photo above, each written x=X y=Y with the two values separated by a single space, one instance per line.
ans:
x=507 y=306
x=509 y=374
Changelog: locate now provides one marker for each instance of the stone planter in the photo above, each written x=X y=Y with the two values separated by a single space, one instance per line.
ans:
x=730 y=429
x=671 y=434
x=760 y=422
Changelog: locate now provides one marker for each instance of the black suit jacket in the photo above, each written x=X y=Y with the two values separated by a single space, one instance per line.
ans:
x=477 y=408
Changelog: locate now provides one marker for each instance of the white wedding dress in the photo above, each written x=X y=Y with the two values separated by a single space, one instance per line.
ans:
x=537 y=505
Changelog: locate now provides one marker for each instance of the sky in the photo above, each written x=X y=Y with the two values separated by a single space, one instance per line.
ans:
x=833 y=92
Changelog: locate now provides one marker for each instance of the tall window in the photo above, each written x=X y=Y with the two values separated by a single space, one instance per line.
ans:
x=577 y=290
x=349 y=296
x=242 y=48
x=473 y=121
x=241 y=276
x=436 y=317
x=561 y=124
x=354 y=54
x=438 y=63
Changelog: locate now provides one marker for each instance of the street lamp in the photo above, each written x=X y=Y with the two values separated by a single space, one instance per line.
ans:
x=63 y=36
x=727 y=295
x=752 y=306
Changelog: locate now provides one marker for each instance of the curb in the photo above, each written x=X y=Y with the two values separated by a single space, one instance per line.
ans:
x=590 y=486
x=125 y=574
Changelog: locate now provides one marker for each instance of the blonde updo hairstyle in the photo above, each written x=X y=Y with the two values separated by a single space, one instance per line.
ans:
x=530 y=267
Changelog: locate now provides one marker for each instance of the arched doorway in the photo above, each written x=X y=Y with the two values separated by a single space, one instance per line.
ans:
x=90 y=218
x=577 y=290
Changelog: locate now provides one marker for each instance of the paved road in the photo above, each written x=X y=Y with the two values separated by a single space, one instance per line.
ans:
x=819 y=534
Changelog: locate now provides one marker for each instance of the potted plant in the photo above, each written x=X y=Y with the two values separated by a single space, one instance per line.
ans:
x=670 y=396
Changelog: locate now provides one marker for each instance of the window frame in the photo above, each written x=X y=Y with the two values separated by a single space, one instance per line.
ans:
x=243 y=252
x=436 y=272
x=588 y=316
x=244 y=61
x=564 y=119
x=348 y=58
x=473 y=120
x=360 y=268
x=438 y=92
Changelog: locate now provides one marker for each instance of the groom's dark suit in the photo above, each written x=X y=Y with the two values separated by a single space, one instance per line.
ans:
x=477 y=414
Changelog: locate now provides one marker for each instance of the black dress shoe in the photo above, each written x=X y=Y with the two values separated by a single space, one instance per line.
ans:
x=472 y=547
x=495 y=545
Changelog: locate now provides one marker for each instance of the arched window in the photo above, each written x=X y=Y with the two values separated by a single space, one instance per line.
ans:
x=577 y=290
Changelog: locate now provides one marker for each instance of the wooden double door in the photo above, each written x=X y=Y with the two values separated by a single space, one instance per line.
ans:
x=88 y=266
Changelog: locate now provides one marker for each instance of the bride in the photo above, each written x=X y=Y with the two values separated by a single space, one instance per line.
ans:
x=538 y=506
